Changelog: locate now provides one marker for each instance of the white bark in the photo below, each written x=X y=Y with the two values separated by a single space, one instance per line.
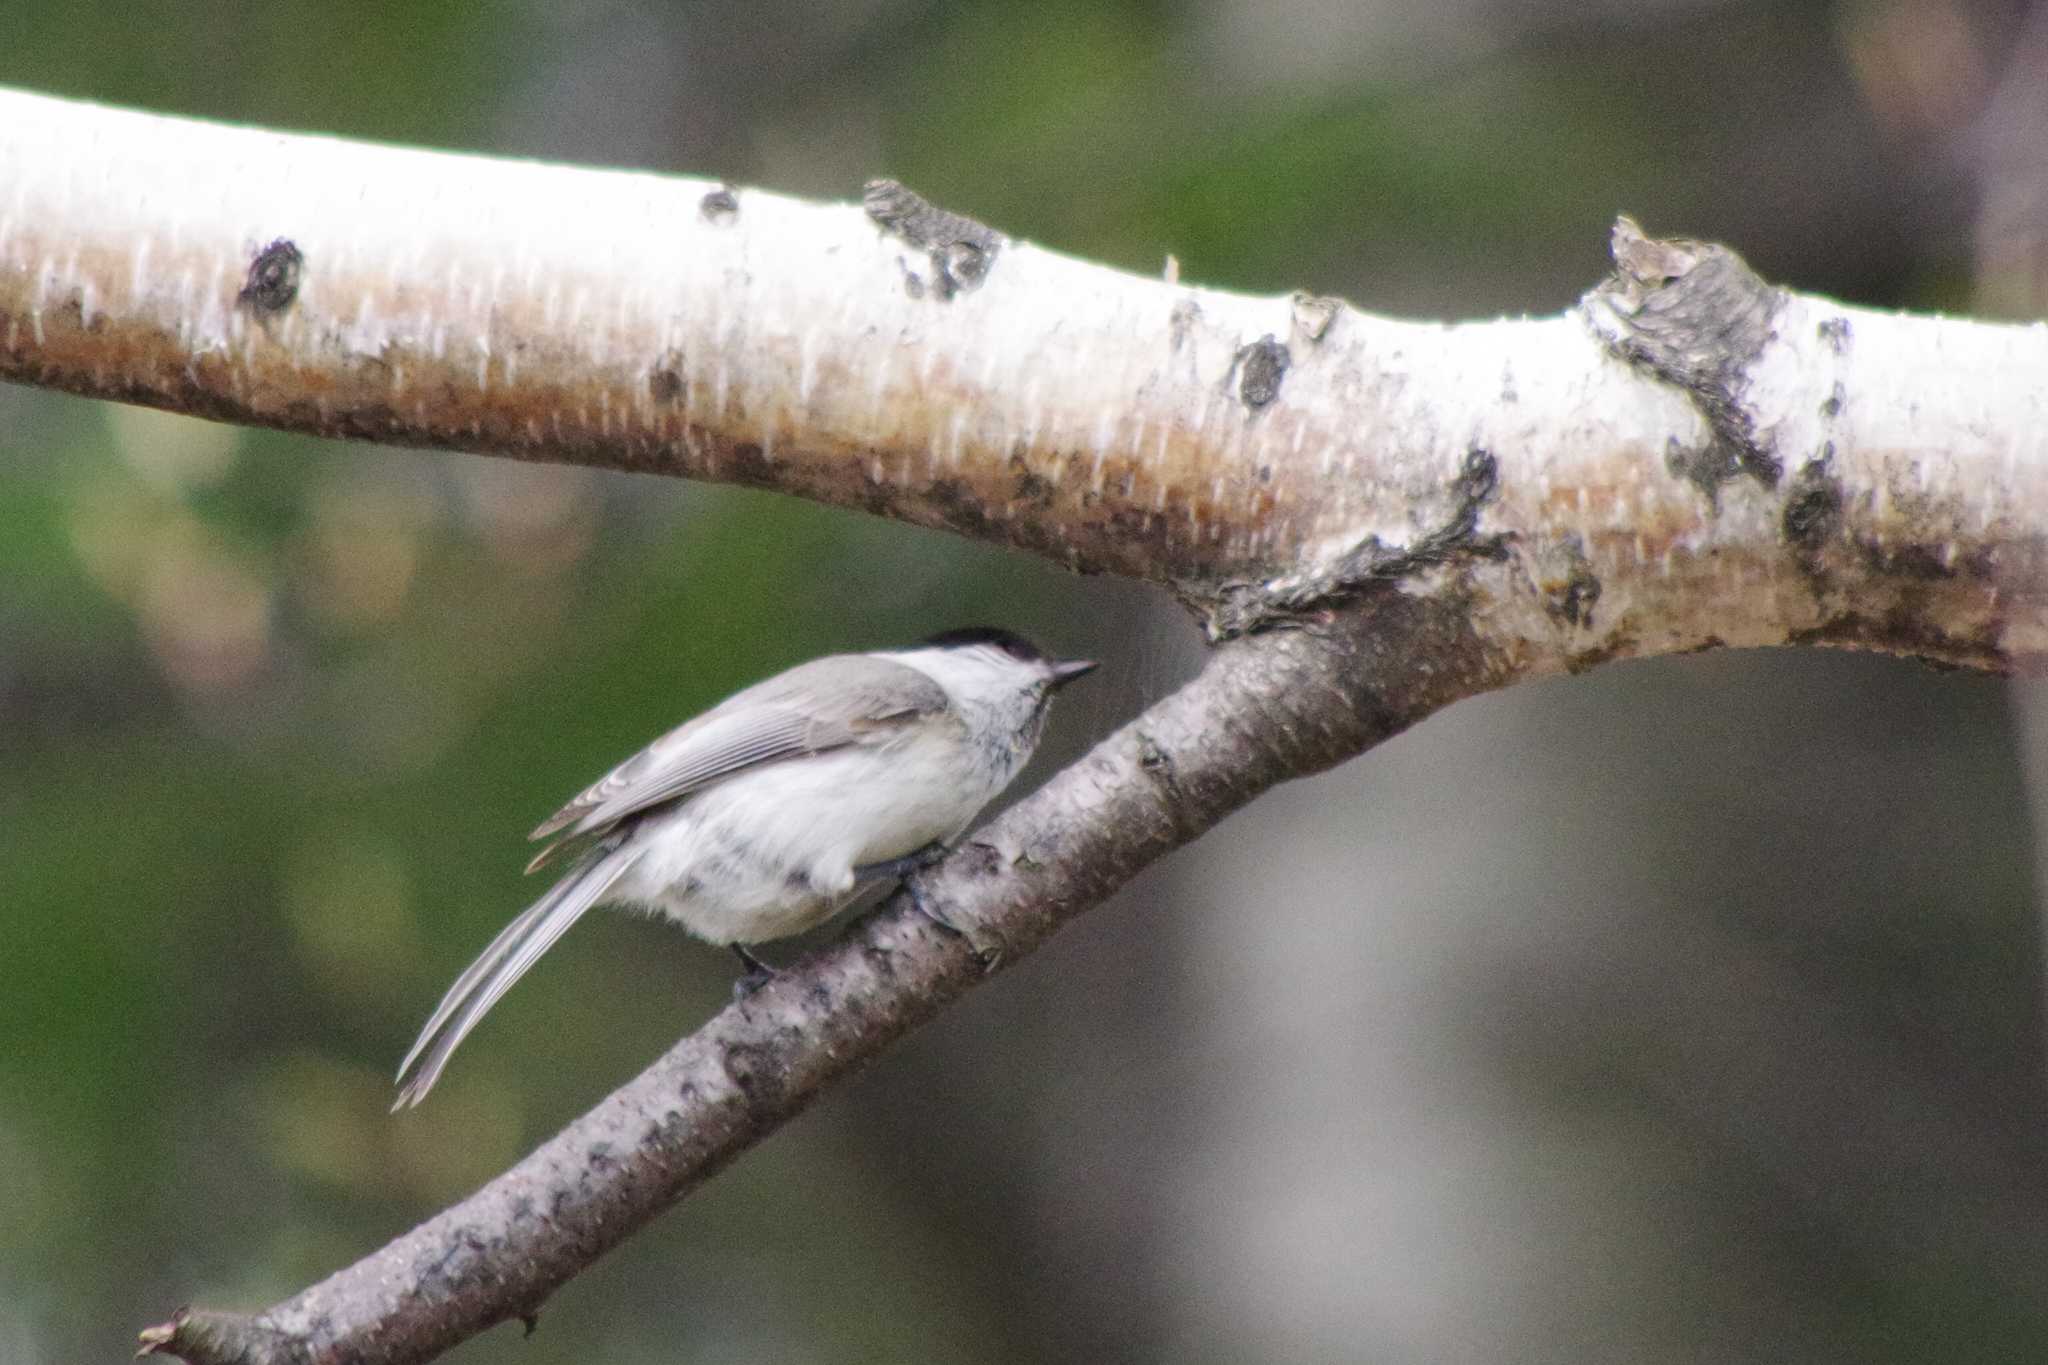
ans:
x=1795 y=470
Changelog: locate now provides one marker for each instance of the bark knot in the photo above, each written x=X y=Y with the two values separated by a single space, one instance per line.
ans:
x=962 y=252
x=1695 y=316
x=720 y=206
x=1260 y=368
x=273 y=280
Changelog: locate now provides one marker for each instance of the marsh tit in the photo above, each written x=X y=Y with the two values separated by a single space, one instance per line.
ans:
x=771 y=811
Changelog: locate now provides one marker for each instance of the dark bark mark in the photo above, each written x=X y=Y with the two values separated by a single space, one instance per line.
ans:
x=1261 y=366
x=1694 y=315
x=720 y=207
x=1238 y=608
x=1813 y=513
x=273 y=281
x=1571 y=597
x=962 y=252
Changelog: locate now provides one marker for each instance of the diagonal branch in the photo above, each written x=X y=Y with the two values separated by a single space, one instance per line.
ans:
x=1264 y=709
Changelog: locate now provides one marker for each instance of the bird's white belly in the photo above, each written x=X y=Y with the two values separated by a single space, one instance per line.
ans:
x=771 y=852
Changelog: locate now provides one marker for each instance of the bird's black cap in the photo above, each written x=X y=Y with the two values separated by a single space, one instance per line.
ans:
x=1016 y=646
x=1008 y=641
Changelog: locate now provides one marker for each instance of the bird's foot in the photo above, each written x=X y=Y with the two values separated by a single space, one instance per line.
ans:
x=758 y=974
x=986 y=956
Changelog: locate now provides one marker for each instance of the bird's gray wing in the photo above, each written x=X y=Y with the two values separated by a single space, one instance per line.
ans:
x=517 y=947
x=822 y=705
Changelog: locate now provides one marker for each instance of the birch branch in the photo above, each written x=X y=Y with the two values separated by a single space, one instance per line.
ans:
x=1688 y=458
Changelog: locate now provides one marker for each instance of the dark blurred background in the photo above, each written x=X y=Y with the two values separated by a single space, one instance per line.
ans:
x=1681 y=1011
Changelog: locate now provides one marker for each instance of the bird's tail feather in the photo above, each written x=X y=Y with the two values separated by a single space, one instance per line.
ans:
x=516 y=948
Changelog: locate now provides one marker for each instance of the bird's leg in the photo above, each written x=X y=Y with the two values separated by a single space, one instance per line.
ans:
x=758 y=974
x=916 y=860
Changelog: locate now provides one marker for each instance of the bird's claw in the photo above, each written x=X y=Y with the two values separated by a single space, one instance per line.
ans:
x=985 y=956
x=757 y=975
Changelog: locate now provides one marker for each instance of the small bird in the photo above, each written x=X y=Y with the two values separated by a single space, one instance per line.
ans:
x=768 y=813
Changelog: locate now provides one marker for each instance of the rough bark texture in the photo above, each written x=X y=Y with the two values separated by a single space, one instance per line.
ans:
x=1264 y=709
x=1689 y=458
